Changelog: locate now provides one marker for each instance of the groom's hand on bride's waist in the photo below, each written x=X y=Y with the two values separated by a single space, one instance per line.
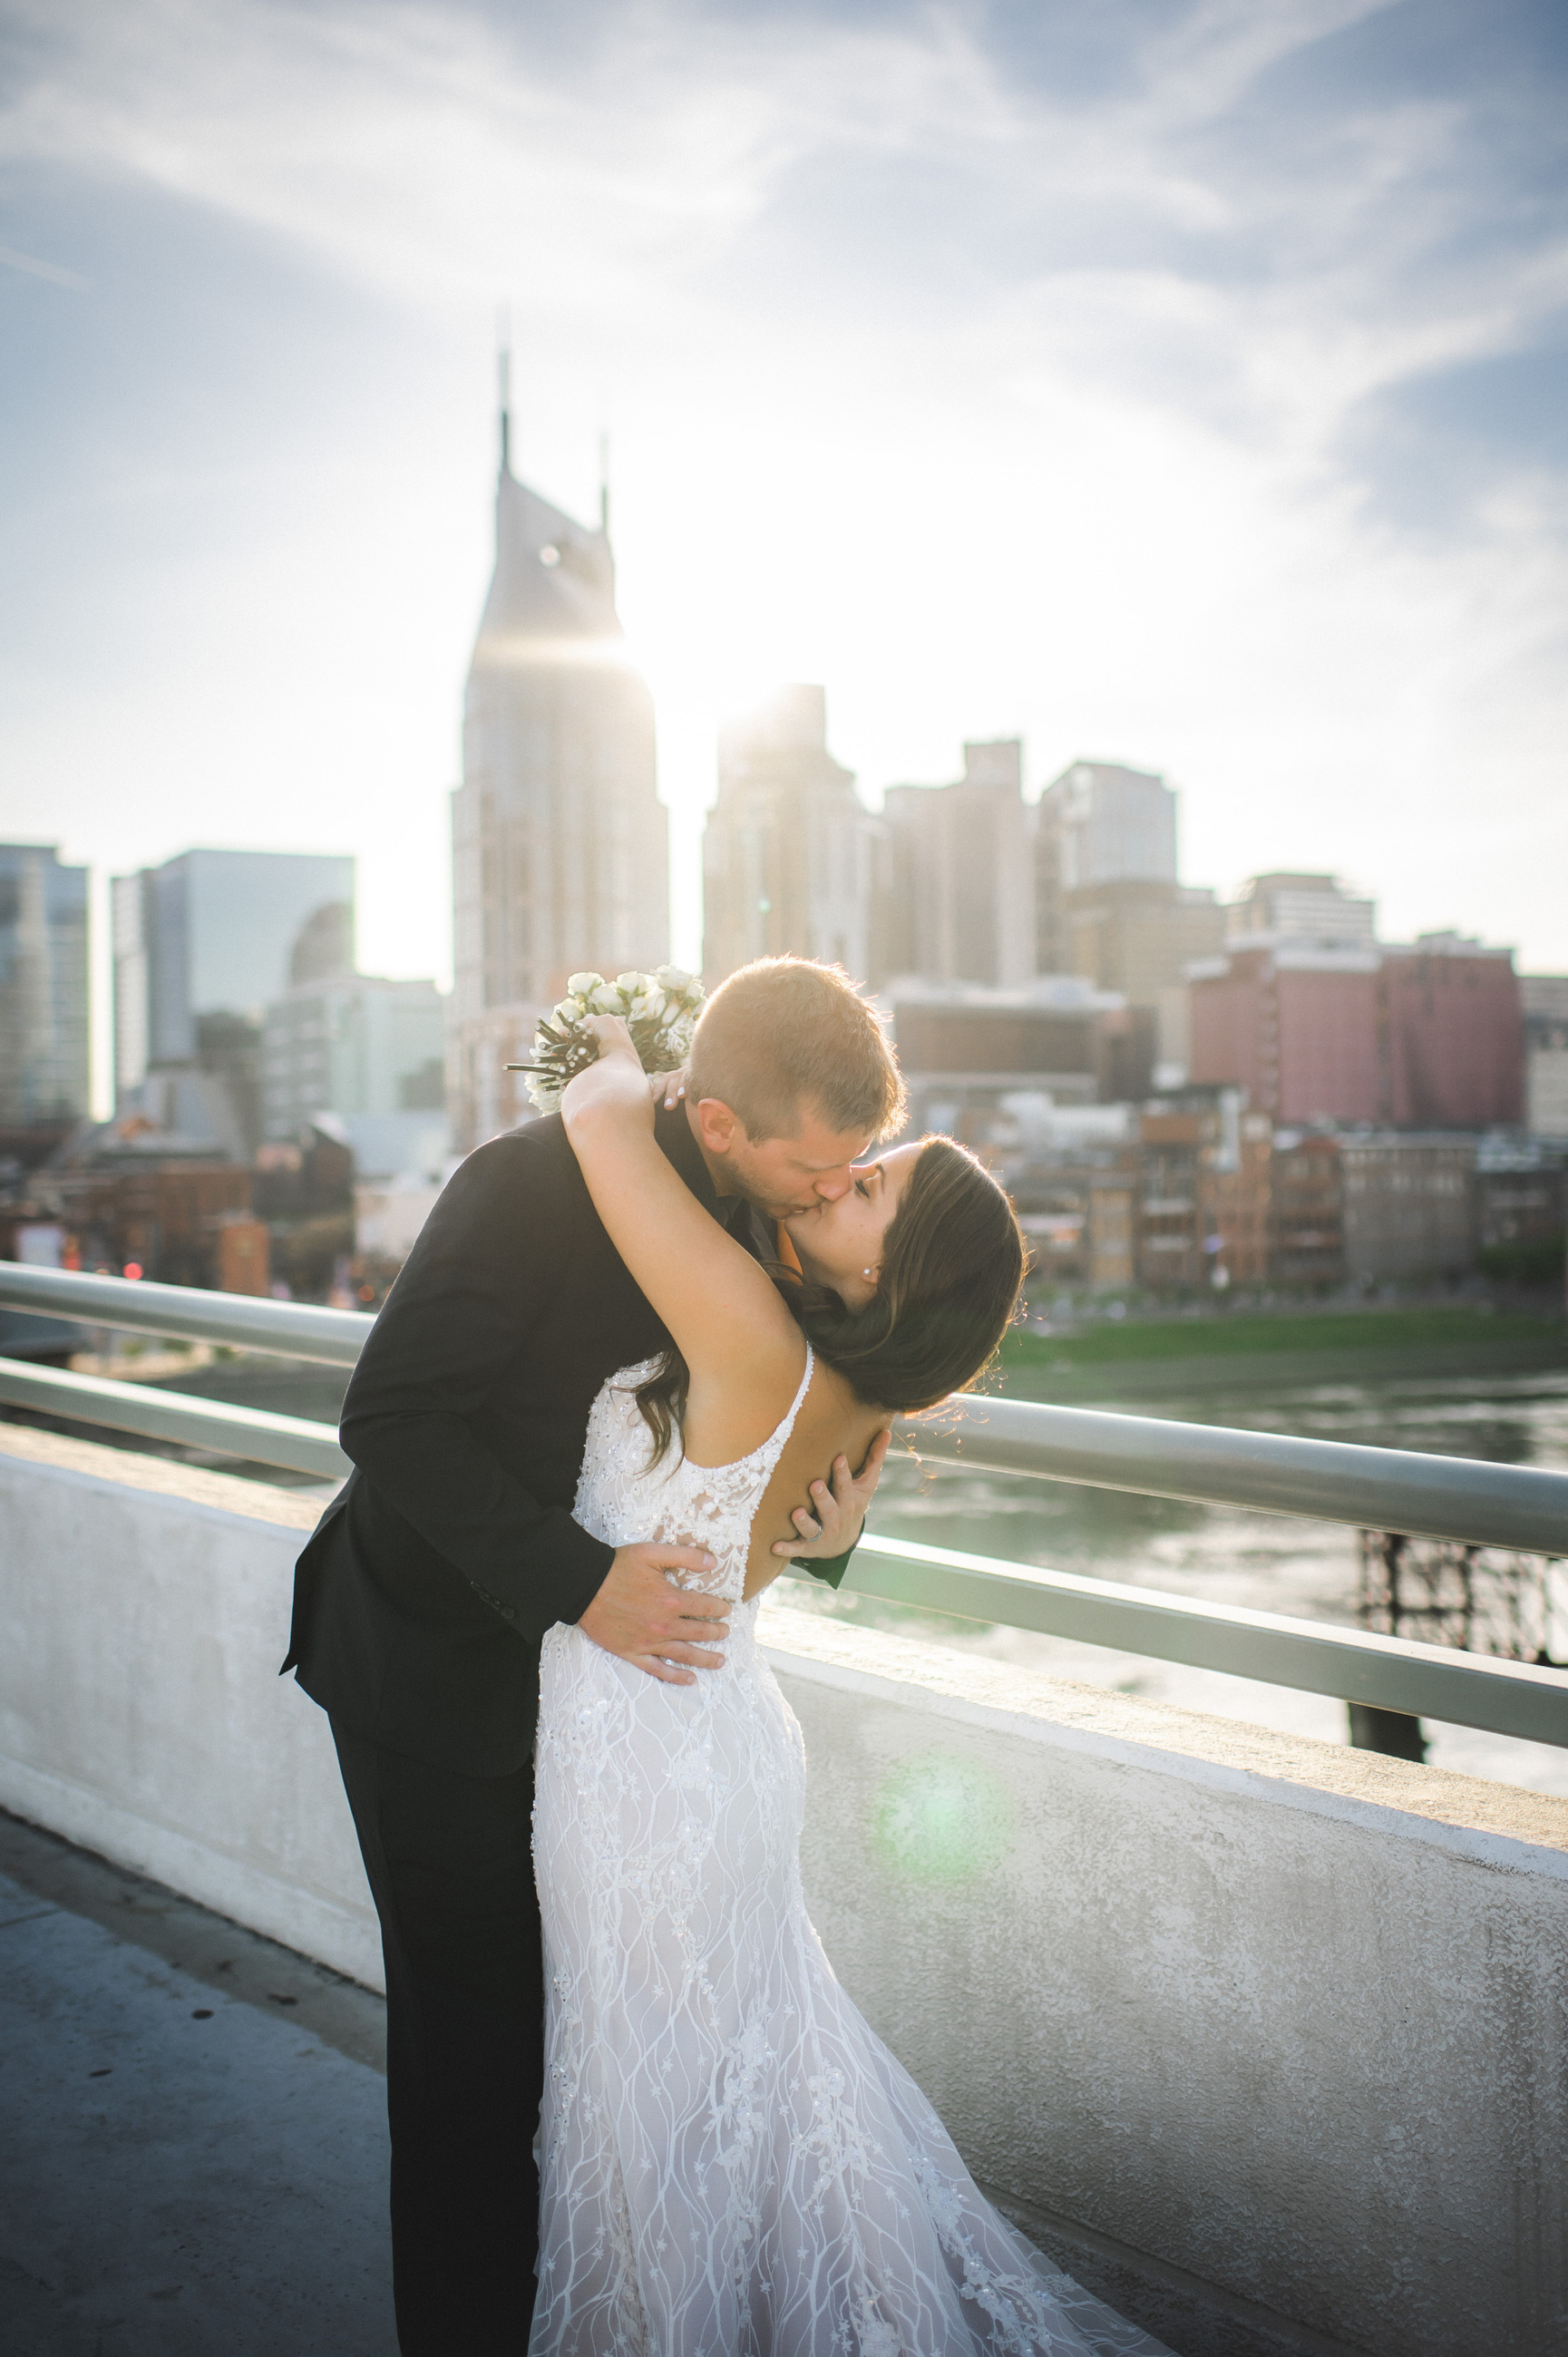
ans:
x=642 y=1618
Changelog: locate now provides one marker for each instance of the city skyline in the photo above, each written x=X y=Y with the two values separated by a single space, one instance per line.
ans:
x=1174 y=391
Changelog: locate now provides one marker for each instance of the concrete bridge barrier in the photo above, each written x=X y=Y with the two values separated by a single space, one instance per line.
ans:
x=1265 y=2038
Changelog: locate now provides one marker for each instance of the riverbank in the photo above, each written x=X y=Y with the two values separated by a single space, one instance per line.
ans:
x=1175 y=1356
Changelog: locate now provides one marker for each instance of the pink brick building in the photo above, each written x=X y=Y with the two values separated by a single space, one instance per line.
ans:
x=1428 y=1036
x=1455 y=1034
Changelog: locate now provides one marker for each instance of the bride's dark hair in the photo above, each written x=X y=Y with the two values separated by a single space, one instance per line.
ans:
x=952 y=1267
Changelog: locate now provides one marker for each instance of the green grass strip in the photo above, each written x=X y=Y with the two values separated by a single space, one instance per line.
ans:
x=1243 y=1334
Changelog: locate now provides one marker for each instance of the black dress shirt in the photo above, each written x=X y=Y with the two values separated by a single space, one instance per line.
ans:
x=422 y=1596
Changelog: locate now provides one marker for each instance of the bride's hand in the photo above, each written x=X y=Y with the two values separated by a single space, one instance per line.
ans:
x=667 y=1089
x=615 y=1079
x=614 y=1039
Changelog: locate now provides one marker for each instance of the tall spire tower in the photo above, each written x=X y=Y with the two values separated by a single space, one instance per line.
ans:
x=503 y=370
x=560 y=844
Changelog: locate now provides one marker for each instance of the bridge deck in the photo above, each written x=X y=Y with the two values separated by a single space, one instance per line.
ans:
x=197 y=2148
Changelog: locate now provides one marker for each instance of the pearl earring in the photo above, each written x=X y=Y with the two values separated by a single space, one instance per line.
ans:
x=865 y=1272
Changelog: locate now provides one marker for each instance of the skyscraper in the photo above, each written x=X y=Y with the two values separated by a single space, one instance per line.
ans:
x=353 y=1043
x=201 y=946
x=560 y=844
x=1100 y=824
x=43 y=986
x=786 y=855
x=955 y=899
x=1108 y=903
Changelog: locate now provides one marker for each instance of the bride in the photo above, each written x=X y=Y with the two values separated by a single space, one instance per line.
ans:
x=732 y=2163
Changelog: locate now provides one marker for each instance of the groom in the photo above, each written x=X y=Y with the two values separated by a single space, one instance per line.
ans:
x=423 y=1595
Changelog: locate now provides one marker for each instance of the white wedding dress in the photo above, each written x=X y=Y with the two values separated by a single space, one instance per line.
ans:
x=732 y=2163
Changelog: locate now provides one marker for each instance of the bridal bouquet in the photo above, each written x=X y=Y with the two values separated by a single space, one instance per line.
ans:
x=660 y=1010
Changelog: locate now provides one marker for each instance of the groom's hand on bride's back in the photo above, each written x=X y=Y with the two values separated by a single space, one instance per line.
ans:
x=642 y=1618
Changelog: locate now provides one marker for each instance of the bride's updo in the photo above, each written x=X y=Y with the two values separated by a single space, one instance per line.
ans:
x=952 y=1269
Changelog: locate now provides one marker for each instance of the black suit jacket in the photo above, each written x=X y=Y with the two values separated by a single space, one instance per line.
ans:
x=424 y=1592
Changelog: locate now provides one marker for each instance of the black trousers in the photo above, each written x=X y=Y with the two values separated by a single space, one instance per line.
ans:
x=451 y=1870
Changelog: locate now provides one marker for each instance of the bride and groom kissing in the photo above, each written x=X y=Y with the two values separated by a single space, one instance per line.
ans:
x=631 y=1341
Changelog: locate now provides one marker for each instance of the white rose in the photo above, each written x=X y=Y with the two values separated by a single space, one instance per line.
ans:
x=631 y=982
x=569 y=1010
x=648 y=1008
x=606 y=999
x=673 y=978
x=582 y=985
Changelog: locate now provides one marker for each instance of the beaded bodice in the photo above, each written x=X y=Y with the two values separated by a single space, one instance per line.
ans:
x=623 y=1497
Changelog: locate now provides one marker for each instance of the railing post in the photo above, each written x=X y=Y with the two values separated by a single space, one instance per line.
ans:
x=1392 y=1732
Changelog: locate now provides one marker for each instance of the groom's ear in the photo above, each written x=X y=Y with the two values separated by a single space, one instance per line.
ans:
x=717 y=1125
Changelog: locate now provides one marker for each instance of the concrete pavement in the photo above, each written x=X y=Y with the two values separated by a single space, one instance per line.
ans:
x=194 y=2152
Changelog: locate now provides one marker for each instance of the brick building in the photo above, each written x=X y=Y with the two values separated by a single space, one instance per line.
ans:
x=180 y=1220
x=1454 y=1024
x=1168 y=1231
x=1319 y=1022
x=1295 y=1027
x=1307 y=1209
x=1202 y=1215
x=1221 y=1197
x=1409 y=1205
x=1236 y=1197
x=1110 y=1230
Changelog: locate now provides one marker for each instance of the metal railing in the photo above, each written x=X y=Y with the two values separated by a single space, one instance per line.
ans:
x=1444 y=1496
x=293 y=1329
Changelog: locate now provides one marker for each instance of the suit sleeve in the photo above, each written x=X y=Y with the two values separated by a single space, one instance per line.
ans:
x=833 y=1570
x=481 y=1275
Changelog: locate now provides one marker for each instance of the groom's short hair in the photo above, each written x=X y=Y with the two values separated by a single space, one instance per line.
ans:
x=787 y=1036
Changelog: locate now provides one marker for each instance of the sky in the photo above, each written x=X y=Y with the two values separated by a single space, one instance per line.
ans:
x=1182 y=383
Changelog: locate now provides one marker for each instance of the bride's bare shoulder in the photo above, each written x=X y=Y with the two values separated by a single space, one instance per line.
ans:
x=738 y=1399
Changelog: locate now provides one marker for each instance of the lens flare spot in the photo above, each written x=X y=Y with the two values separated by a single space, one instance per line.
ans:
x=938 y=1819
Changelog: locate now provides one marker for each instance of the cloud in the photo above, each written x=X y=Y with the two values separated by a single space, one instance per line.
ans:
x=33 y=269
x=1174 y=382
x=1234 y=216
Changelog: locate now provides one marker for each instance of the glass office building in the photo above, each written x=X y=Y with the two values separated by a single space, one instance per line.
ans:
x=353 y=1044
x=43 y=986
x=203 y=944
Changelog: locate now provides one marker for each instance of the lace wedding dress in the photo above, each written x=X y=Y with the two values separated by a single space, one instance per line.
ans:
x=733 y=2165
